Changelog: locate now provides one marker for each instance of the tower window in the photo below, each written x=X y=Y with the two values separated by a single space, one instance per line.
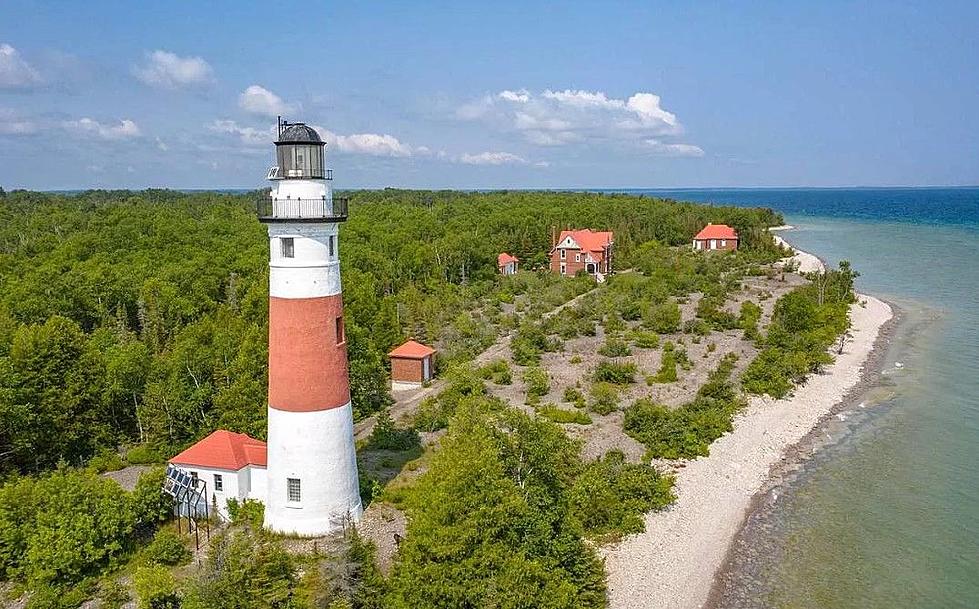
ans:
x=332 y=247
x=293 y=490
x=218 y=482
x=288 y=247
x=340 y=336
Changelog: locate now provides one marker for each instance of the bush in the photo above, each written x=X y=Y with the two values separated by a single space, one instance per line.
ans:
x=386 y=436
x=498 y=371
x=614 y=347
x=663 y=318
x=610 y=497
x=143 y=455
x=575 y=359
x=155 y=588
x=463 y=382
x=615 y=372
x=572 y=395
x=537 y=381
x=150 y=504
x=167 y=548
x=106 y=461
x=559 y=415
x=667 y=367
x=645 y=340
x=249 y=511
x=604 y=398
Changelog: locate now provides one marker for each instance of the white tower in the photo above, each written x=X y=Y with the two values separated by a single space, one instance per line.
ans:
x=312 y=463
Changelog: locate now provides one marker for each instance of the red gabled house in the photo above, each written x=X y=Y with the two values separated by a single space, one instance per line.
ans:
x=716 y=237
x=583 y=250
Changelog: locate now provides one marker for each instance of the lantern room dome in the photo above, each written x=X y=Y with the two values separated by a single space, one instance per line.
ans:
x=298 y=133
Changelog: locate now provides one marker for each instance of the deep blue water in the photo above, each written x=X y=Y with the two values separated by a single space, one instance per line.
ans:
x=951 y=206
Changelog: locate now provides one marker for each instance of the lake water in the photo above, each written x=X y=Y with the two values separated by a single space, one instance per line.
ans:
x=887 y=514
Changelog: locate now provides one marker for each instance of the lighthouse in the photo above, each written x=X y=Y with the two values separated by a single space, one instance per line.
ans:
x=311 y=478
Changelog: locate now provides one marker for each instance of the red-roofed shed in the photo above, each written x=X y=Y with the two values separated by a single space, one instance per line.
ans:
x=224 y=450
x=507 y=264
x=716 y=237
x=411 y=365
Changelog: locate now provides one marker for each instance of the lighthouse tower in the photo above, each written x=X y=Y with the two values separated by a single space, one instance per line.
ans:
x=312 y=480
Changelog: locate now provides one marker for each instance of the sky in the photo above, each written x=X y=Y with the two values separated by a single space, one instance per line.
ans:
x=492 y=95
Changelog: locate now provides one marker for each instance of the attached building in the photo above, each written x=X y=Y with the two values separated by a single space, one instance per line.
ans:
x=507 y=264
x=411 y=365
x=716 y=237
x=230 y=465
x=583 y=250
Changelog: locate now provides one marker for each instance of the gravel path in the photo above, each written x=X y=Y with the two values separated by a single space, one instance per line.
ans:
x=673 y=563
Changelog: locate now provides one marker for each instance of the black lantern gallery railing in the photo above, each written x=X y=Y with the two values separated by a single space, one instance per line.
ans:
x=302 y=210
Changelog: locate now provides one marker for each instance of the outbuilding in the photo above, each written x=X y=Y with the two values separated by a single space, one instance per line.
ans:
x=411 y=365
x=716 y=237
x=507 y=264
x=228 y=465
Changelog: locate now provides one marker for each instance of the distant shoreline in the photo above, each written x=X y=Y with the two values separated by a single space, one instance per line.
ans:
x=677 y=560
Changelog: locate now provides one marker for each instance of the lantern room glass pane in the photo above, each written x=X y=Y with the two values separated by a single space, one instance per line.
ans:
x=300 y=160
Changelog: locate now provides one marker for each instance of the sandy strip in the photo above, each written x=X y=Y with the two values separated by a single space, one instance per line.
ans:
x=673 y=563
x=806 y=261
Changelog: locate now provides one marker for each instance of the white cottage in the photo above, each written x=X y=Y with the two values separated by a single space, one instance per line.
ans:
x=230 y=465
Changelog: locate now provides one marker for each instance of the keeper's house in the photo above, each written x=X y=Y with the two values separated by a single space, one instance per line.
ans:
x=507 y=264
x=411 y=365
x=231 y=465
x=716 y=237
x=583 y=250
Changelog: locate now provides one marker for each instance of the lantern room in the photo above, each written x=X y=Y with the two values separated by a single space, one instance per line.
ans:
x=299 y=152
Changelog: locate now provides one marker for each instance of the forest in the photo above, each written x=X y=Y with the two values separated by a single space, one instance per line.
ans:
x=134 y=323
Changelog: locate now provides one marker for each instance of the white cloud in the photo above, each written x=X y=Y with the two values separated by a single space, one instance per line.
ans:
x=685 y=150
x=373 y=144
x=87 y=127
x=262 y=102
x=12 y=123
x=167 y=70
x=492 y=158
x=570 y=116
x=247 y=135
x=15 y=73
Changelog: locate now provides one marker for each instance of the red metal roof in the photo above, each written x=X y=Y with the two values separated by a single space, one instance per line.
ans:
x=717 y=231
x=505 y=258
x=224 y=450
x=590 y=241
x=412 y=350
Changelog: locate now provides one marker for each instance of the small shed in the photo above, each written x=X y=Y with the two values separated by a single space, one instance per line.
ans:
x=507 y=264
x=716 y=237
x=411 y=365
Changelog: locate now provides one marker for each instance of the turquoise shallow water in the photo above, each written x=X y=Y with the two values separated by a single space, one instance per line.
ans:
x=886 y=515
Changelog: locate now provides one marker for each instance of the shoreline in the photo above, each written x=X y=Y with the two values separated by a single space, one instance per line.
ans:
x=725 y=584
x=678 y=560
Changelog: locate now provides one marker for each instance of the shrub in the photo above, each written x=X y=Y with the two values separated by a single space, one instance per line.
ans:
x=143 y=455
x=697 y=327
x=106 y=461
x=498 y=371
x=667 y=368
x=709 y=309
x=434 y=412
x=614 y=347
x=615 y=372
x=604 y=398
x=575 y=359
x=663 y=318
x=611 y=496
x=386 y=436
x=614 y=324
x=559 y=415
x=155 y=588
x=645 y=340
x=537 y=381
x=572 y=394
x=150 y=505
x=249 y=511
x=167 y=548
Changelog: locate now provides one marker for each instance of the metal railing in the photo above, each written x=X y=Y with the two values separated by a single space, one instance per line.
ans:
x=276 y=173
x=302 y=210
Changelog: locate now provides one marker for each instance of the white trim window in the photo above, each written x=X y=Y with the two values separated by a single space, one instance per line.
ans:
x=564 y=254
x=564 y=269
x=218 y=483
x=577 y=257
x=288 y=247
x=294 y=492
x=723 y=242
